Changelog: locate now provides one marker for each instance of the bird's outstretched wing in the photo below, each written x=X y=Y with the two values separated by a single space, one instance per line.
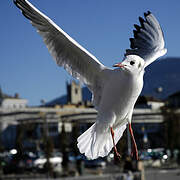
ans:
x=148 y=41
x=66 y=51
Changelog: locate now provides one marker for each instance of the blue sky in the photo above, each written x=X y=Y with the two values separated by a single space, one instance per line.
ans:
x=103 y=27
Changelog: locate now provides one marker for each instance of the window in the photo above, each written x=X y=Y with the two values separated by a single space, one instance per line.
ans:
x=76 y=90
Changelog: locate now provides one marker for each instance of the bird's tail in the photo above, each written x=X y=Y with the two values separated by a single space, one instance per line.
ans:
x=94 y=144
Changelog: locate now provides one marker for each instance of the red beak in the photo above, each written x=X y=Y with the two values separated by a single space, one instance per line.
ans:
x=118 y=65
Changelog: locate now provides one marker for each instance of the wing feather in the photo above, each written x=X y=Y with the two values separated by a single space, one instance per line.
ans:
x=67 y=53
x=148 y=41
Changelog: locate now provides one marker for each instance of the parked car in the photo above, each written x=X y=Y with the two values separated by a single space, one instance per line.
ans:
x=154 y=154
x=99 y=162
x=54 y=160
x=18 y=164
x=95 y=163
x=144 y=155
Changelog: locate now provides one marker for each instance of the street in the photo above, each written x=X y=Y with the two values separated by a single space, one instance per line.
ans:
x=170 y=174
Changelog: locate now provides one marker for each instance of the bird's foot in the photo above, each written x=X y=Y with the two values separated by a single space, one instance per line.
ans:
x=134 y=149
x=115 y=149
x=116 y=153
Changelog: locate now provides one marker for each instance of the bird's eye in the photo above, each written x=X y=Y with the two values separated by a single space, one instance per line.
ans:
x=132 y=63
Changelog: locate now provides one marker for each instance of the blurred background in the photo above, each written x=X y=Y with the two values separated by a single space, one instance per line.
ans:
x=43 y=110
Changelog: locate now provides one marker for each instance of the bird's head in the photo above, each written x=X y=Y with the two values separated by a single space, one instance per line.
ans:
x=132 y=63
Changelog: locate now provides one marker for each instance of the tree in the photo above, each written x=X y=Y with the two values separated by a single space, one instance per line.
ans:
x=19 y=140
x=48 y=146
x=64 y=148
x=172 y=126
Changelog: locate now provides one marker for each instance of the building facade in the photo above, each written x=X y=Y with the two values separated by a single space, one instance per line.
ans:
x=73 y=118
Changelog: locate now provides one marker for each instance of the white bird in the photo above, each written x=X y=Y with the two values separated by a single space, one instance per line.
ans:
x=115 y=91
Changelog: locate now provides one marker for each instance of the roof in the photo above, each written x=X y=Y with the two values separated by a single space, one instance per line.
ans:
x=145 y=99
x=174 y=94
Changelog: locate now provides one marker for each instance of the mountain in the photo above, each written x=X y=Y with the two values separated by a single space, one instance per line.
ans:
x=164 y=73
x=161 y=79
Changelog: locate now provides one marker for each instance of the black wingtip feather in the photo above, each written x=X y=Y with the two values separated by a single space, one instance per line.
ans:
x=137 y=27
x=26 y=15
x=135 y=33
x=131 y=43
x=15 y=2
x=147 y=13
x=141 y=20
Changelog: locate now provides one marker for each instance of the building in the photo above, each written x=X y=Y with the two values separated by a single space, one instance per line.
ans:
x=8 y=125
x=173 y=100
x=12 y=102
x=74 y=96
x=76 y=115
x=74 y=93
x=149 y=102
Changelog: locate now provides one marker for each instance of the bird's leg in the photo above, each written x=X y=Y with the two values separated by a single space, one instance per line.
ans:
x=115 y=149
x=134 y=142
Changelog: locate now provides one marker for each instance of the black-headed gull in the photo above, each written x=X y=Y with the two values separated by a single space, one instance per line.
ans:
x=115 y=91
